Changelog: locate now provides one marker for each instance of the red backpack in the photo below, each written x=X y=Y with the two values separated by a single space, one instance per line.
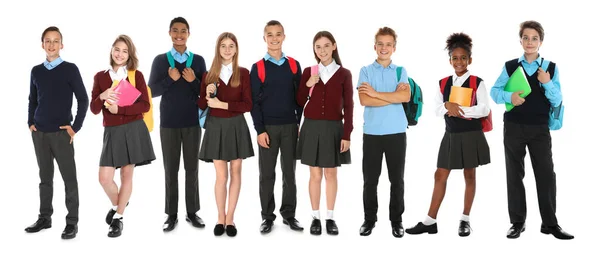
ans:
x=486 y=122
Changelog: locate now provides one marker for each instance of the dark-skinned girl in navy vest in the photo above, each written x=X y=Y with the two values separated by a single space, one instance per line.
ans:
x=227 y=137
x=127 y=142
x=464 y=145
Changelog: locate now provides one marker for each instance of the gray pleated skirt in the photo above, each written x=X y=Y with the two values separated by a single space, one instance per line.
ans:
x=319 y=144
x=127 y=144
x=463 y=150
x=226 y=139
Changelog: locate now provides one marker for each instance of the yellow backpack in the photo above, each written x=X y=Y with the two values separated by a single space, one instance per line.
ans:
x=148 y=116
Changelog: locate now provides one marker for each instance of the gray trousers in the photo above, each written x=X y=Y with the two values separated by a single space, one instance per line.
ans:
x=48 y=147
x=282 y=138
x=172 y=140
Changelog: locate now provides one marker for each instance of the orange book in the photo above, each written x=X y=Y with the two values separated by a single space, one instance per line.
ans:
x=461 y=96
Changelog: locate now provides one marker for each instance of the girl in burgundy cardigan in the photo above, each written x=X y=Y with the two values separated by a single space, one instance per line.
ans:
x=127 y=141
x=227 y=137
x=324 y=140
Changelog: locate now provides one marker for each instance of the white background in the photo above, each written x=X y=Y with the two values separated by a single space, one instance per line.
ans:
x=90 y=28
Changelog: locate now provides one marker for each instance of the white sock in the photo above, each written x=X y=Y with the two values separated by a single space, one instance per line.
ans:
x=329 y=214
x=316 y=214
x=429 y=221
x=117 y=216
x=465 y=218
x=114 y=208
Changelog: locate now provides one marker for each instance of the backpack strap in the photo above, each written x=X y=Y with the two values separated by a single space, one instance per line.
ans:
x=260 y=65
x=511 y=66
x=293 y=64
x=170 y=59
x=131 y=77
x=443 y=83
x=398 y=73
x=190 y=58
x=473 y=85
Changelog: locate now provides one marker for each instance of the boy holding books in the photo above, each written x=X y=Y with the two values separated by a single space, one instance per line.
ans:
x=526 y=125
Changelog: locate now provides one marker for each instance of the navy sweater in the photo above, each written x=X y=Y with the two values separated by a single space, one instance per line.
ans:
x=275 y=102
x=51 y=97
x=178 y=108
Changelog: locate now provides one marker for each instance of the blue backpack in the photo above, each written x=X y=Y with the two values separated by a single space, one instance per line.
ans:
x=414 y=107
x=202 y=114
x=555 y=116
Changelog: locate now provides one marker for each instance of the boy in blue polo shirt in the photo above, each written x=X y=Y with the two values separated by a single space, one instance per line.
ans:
x=385 y=125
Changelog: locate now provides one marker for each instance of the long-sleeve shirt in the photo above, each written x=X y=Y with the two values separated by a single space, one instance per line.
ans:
x=178 y=108
x=238 y=99
x=479 y=110
x=51 y=96
x=126 y=114
x=275 y=102
x=535 y=109
x=332 y=100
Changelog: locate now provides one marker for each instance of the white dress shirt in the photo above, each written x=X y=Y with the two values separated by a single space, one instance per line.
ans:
x=482 y=109
x=118 y=75
x=326 y=72
x=226 y=72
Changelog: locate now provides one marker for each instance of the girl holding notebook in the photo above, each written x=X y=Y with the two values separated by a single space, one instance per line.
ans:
x=227 y=137
x=324 y=141
x=126 y=141
x=464 y=145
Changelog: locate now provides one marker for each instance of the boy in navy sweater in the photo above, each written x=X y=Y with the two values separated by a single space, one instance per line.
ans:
x=53 y=84
x=276 y=117
x=179 y=126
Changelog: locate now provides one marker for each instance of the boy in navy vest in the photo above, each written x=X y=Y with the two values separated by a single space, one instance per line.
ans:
x=53 y=84
x=276 y=117
x=526 y=125
x=179 y=87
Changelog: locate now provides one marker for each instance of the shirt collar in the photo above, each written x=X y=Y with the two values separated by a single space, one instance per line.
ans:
x=464 y=76
x=53 y=64
x=328 y=68
x=269 y=57
x=228 y=67
x=538 y=59
x=175 y=52
x=379 y=66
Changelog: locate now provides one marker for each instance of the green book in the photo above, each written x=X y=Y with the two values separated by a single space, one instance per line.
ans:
x=517 y=82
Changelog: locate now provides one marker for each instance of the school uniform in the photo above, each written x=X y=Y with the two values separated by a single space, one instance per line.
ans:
x=276 y=112
x=126 y=137
x=384 y=133
x=52 y=86
x=226 y=135
x=527 y=126
x=464 y=145
x=180 y=132
x=323 y=129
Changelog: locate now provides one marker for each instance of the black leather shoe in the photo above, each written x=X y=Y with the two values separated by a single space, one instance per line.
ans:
x=195 y=220
x=293 y=223
x=266 y=226
x=219 y=229
x=464 y=228
x=315 y=227
x=40 y=224
x=171 y=223
x=367 y=228
x=69 y=232
x=231 y=230
x=421 y=228
x=515 y=230
x=556 y=231
x=111 y=214
x=115 y=228
x=331 y=227
x=397 y=229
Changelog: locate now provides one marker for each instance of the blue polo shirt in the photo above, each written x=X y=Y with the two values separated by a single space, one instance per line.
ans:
x=389 y=119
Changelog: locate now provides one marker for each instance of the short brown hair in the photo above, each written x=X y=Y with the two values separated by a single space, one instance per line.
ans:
x=51 y=29
x=532 y=25
x=387 y=31
x=273 y=23
x=132 y=62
